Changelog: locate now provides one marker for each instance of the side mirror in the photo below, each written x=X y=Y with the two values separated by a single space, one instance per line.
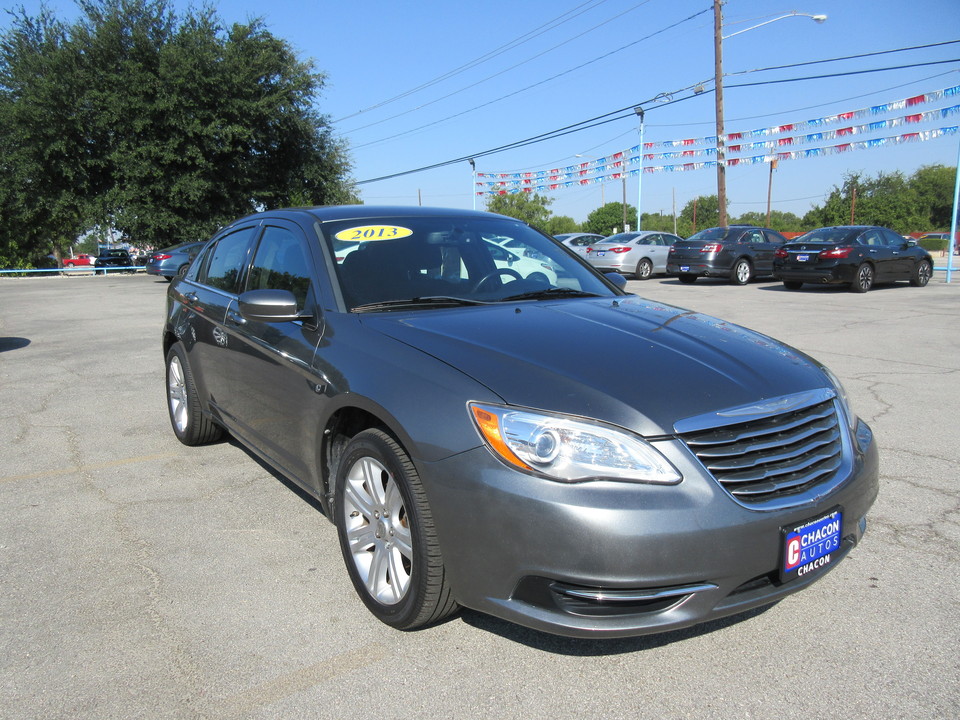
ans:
x=617 y=279
x=273 y=306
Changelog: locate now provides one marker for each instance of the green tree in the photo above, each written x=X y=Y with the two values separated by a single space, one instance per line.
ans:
x=700 y=213
x=886 y=200
x=780 y=221
x=934 y=186
x=531 y=208
x=159 y=126
x=558 y=224
x=608 y=219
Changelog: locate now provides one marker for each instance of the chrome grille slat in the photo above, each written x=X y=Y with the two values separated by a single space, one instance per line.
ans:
x=805 y=431
x=771 y=458
x=753 y=457
x=730 y=434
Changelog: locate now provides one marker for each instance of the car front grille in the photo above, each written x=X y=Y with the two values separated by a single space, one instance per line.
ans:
x=773 y=461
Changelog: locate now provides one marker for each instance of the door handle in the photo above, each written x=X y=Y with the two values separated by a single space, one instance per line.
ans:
x=236 y=318
x=191 y=297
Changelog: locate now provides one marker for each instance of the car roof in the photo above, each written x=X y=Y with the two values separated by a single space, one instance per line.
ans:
x=330 y=213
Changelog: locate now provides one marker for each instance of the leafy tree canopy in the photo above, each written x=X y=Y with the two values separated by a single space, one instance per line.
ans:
x=608 y=219
x=160 y=126
x=531 y=208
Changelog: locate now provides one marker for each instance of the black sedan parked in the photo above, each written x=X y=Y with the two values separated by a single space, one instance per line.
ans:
x=860 y=256
x=113 y=260
x=446 y=412
x=737 y=252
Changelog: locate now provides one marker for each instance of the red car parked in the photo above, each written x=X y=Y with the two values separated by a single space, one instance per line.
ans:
x=81 y=260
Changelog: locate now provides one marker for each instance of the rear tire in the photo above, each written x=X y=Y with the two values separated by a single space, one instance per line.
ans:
x=387 y=535
x=644 y=269
x=741 y=272
x=189 y=423
x=863 y=279
x=792 y=284
x=921 y=275
x=688 y=279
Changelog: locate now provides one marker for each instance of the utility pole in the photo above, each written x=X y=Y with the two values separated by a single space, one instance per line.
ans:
x=718 y=96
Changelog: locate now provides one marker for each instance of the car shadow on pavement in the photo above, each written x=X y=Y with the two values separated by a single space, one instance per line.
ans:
x=13 y=343
x=589 y=647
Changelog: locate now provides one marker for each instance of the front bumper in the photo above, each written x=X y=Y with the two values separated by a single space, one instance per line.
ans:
x=619 y=559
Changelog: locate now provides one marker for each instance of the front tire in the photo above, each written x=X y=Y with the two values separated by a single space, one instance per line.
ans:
x=863 y=279
x=189 y=423
x=387 y=535
x=922 y=273
x=741 y=272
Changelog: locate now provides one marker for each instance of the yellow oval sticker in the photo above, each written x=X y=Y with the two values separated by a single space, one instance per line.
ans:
x=366 y=233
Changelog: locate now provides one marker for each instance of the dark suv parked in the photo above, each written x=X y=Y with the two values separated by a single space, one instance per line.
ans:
x=737 y=252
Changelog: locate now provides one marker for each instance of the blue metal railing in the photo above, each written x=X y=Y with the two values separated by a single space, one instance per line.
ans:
x=82 y=269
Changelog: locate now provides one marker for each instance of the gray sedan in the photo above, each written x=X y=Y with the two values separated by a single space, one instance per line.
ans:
x=445 y=412
x=640 y=254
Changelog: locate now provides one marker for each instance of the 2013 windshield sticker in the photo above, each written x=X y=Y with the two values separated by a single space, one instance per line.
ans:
x=367 y=233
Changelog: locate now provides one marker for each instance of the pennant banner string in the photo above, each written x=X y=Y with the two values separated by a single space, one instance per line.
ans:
x=612 y=167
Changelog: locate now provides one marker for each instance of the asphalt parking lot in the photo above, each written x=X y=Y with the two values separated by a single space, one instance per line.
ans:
x=144 y=579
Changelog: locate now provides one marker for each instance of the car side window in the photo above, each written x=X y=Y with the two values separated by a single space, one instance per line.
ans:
x=872 y=238
x=224 y=261
x=281 y=263
x=891 y=238
x=774 y=237
x=754 y=237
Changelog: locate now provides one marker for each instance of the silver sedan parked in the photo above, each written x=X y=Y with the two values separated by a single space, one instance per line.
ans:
x=640 y=254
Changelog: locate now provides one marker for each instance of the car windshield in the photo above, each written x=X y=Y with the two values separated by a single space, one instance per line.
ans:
x=426 y=261
x=831 y=236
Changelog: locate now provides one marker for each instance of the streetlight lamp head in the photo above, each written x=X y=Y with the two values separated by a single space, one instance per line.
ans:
x=819 y=18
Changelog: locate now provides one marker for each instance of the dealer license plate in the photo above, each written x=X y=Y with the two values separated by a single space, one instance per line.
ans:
x=810 y=546
x=684 y=268
x=601 y=253
x=803 y=258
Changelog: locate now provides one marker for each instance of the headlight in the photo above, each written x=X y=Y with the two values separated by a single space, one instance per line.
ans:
x=842 y=397
x=569 y=449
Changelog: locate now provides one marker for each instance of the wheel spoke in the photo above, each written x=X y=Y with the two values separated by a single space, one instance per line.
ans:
x=357 y=498
x=399 y=578
x=361 y=538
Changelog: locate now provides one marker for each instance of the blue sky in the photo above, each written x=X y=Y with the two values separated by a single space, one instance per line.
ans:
x=416 y=84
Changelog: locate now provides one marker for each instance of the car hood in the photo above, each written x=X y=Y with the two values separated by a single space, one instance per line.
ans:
x=628 y=361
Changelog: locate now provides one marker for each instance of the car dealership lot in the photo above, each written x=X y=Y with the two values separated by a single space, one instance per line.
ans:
x=142 y=578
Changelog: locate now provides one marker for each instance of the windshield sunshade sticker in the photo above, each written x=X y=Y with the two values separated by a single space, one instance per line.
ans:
x=367 y=233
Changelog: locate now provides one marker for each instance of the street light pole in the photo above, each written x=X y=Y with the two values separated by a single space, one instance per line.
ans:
x=473 y=187
x=639 y=112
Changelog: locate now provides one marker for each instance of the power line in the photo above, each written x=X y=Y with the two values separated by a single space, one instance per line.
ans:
x=536 y=84
x=622 y=114
x=516 y=42
x=497 y=74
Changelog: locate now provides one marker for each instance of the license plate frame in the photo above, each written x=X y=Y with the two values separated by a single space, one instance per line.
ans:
x=810 y=545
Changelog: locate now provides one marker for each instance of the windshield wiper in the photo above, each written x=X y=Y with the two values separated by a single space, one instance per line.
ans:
x=422 y=302
x=549 y=294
